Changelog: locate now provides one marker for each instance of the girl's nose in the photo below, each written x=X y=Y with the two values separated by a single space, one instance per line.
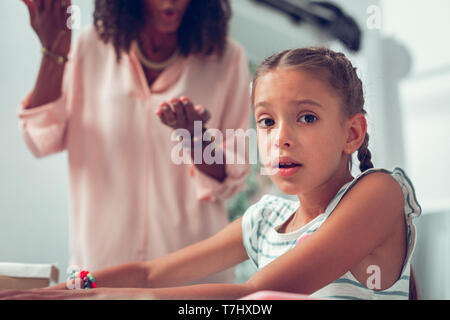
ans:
x=283 y=138
x=283 y=144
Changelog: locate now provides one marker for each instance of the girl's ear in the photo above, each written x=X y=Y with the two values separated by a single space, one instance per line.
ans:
x=357 y=128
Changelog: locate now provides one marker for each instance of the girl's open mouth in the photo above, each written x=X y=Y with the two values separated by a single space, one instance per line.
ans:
x=288 y=165
x=288 y=169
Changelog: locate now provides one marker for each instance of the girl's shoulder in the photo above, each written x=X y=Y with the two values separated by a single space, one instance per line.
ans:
x=389 y=179
x=384 y=195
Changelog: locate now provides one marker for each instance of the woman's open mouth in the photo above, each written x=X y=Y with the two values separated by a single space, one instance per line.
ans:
x=169 y=14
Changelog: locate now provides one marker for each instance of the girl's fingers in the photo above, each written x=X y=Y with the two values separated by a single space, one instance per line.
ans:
x=38 y=295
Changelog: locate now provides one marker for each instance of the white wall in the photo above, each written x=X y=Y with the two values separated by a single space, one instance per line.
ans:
x=34 y=194
x=264 y=31
x=423 y=27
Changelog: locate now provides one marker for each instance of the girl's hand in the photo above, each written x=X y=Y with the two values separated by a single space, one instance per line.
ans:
x=80 y=294
x=181 y=114
x=48 y=19
x=45 y=294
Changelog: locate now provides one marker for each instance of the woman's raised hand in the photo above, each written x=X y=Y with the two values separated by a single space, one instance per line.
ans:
x=181 y=114
x=48 y=19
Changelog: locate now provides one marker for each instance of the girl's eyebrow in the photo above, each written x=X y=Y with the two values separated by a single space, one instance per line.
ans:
x=262 y=104
x=308 y=102
x=293 y=103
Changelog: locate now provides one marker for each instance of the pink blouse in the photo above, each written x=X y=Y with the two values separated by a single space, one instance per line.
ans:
x=129 y=201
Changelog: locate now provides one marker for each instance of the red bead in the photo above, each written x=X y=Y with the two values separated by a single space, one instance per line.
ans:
x=93 y=285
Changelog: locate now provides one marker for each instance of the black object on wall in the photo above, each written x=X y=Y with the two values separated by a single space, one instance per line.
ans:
x=325 y=15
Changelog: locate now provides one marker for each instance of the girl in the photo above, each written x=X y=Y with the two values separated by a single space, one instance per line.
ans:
x=346 y=237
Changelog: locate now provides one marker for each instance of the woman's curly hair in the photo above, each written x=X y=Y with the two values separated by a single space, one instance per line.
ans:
x=203 y=30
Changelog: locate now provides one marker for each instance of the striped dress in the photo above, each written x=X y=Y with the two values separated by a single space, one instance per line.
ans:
x=264 y=244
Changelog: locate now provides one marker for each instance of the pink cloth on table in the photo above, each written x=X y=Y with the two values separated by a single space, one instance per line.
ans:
x=129 y=201
x=276 y=295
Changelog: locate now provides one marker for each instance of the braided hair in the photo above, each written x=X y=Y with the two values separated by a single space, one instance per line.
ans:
x=203 y=30
x=339 y=73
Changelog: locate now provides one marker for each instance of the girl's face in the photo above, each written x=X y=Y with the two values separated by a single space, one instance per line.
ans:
x=299 y=119
x=166 y=15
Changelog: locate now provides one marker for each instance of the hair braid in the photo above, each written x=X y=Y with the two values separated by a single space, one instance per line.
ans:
x=364 y=155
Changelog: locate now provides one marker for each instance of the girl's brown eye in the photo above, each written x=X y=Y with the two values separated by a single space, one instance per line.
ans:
x=308 y=118
x=266 y=122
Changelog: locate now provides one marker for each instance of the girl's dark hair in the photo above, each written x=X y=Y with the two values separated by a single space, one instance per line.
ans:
x=203 y=30
x=339 y=73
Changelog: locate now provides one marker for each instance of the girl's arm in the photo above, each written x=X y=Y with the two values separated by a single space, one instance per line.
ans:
x=215 y=254
x=365 y=218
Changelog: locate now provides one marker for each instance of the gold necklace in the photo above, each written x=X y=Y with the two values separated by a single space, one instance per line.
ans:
x=151 y=64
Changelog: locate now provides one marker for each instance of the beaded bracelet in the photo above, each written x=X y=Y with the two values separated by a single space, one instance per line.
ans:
x=87 y=278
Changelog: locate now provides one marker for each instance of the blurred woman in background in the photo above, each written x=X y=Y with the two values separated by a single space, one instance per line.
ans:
x=113 y=102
